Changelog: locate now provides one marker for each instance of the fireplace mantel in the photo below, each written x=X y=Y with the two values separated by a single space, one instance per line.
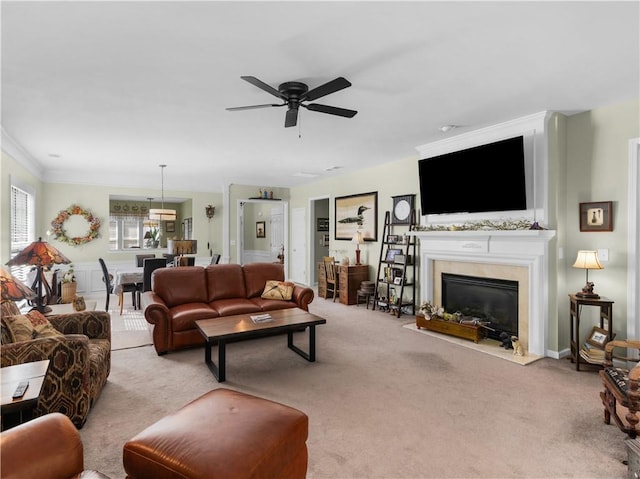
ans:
x=526 y=248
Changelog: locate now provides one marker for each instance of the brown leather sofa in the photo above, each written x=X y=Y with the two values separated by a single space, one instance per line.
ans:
x=48 y=446
x=182 y=295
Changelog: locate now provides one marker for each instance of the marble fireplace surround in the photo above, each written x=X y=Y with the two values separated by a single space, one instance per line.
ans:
x=519 y=255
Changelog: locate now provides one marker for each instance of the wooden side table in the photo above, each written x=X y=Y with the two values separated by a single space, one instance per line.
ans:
x=17 y=411
x=575 y=306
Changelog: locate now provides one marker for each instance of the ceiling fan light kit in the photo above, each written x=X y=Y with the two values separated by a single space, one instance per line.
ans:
x=293 y=94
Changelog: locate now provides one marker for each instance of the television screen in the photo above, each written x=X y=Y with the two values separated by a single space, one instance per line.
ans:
x=484 y=178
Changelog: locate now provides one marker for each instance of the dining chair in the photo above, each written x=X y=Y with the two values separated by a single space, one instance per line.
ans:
x=331 y=277
x=141 y=257
x=150 y=265
x=169 y=258
x=215 y=259
x=124 y=288
x=186 y=261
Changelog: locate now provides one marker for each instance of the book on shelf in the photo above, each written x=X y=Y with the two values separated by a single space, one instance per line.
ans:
x=592 y=354
x=261 y=318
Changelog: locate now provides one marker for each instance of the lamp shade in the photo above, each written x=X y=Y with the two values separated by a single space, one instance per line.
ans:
x=587 y=260
x=160 y=214
x=12 y=289
x=357 y=238
x=39 y=253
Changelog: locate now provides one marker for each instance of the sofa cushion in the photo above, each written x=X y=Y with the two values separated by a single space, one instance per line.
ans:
x=225 y=281
x=278 y=290
x=24 y=327
x=256 y=276
x=273 y=304
x=180 y=285
x=185 y=315
x=229 y=307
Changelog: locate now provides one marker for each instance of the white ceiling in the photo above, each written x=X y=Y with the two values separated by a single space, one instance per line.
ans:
x=103 y=92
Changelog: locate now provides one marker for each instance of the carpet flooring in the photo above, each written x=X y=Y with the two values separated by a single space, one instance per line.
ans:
x=383 y=402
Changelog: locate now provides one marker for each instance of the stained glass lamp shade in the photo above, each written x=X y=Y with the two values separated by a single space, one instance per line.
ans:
x=40 y=254
x=12 y=289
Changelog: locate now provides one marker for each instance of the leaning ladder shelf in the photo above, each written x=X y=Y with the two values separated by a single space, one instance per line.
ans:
x=399 y=265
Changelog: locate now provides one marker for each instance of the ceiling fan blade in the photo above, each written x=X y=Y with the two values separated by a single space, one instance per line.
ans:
x=331 y=110
x=252 y=107
x=292 y=117
x=263 y=86
x=329 y=87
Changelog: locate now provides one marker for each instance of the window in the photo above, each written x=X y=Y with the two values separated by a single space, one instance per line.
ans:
x=22 y=225
x=126 y=232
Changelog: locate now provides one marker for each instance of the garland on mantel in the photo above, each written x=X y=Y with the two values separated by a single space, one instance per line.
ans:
x=60 y=234
x=484 y=225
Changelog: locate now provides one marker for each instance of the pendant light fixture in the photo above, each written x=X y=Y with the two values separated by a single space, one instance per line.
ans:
x=162 y=214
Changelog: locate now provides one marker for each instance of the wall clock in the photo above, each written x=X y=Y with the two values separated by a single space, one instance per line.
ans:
x=402 y=208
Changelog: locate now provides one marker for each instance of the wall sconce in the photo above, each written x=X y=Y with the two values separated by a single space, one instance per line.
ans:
x=210 y=210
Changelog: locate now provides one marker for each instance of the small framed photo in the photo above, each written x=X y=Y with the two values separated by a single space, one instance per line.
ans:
x=397 y=280
x=400 y=259
x=598 y=337
x=391 y=254
x=171 y=226
x=392 y=239
x=260 y=229
x=322 y=224
x=596 y=216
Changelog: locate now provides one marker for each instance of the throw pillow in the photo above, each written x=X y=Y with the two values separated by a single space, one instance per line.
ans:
x=278 y=290
x=24 y=327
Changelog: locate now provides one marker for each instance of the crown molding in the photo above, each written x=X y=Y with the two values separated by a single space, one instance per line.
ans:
x=15 y=150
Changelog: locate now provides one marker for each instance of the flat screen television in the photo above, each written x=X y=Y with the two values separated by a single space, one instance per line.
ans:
x=484 y=178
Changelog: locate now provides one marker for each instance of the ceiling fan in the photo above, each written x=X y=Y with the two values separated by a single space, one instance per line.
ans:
x=294 y=93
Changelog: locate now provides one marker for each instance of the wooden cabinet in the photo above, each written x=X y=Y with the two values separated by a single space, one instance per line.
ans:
x=349 y=279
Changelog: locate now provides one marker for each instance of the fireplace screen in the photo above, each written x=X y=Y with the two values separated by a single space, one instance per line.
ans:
x=488 y=299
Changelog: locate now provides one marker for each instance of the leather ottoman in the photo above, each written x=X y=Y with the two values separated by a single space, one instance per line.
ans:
x=223 y=434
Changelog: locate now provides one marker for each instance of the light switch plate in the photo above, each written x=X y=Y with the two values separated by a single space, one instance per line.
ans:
x=603 y=254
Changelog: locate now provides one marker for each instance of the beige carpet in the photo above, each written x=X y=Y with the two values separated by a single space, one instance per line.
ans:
x=383 y=402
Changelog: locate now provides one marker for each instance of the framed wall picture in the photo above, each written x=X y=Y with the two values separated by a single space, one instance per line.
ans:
x=598 y=337
x=260 y=229
x=322 y=224
x=357 y=213
x=171 y=226
x=596 y=216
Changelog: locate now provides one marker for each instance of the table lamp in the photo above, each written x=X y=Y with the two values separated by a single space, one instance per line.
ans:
x=12 y=289
x=357 y=239
x=587 y=260
x=40 y=254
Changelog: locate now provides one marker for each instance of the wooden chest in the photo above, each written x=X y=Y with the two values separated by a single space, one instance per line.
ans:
x=465 y=331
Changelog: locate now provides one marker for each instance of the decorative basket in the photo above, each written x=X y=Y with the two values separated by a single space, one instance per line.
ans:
x=68 y=292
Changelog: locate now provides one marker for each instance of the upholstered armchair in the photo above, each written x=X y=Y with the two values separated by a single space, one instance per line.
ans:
x=80 y=359
x=621 y=395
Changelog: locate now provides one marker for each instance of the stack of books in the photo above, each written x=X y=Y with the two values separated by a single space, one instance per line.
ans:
x=592 y=354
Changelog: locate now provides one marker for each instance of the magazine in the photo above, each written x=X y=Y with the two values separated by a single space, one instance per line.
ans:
x=261 y=318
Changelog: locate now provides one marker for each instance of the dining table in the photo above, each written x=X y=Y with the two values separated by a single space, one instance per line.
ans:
x=129 y=276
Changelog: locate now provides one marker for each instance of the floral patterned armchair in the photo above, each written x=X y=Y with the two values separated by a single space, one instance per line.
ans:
x=80 y=359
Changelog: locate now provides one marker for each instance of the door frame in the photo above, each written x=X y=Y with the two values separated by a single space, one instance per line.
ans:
x=240 y=226
x=633 y=241
x=311 y=267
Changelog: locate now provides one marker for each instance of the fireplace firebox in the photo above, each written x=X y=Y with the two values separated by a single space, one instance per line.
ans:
x=487 y=299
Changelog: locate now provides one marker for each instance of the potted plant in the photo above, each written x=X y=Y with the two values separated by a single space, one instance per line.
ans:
x=153 y=237
x=69 y=286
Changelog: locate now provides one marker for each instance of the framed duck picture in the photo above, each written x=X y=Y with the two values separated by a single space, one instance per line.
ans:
x=357 y=213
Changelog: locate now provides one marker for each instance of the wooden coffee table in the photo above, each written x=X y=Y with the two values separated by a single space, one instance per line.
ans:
x=240 y=327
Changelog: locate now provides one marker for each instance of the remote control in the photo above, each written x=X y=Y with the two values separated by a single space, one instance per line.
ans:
x=21 y=389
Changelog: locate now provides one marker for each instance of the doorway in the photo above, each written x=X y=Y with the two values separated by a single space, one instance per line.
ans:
x=319 y=234
x=261 y=231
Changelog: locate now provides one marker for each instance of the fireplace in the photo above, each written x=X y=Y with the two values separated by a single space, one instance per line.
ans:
x=519 y=256
x=487 y=299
